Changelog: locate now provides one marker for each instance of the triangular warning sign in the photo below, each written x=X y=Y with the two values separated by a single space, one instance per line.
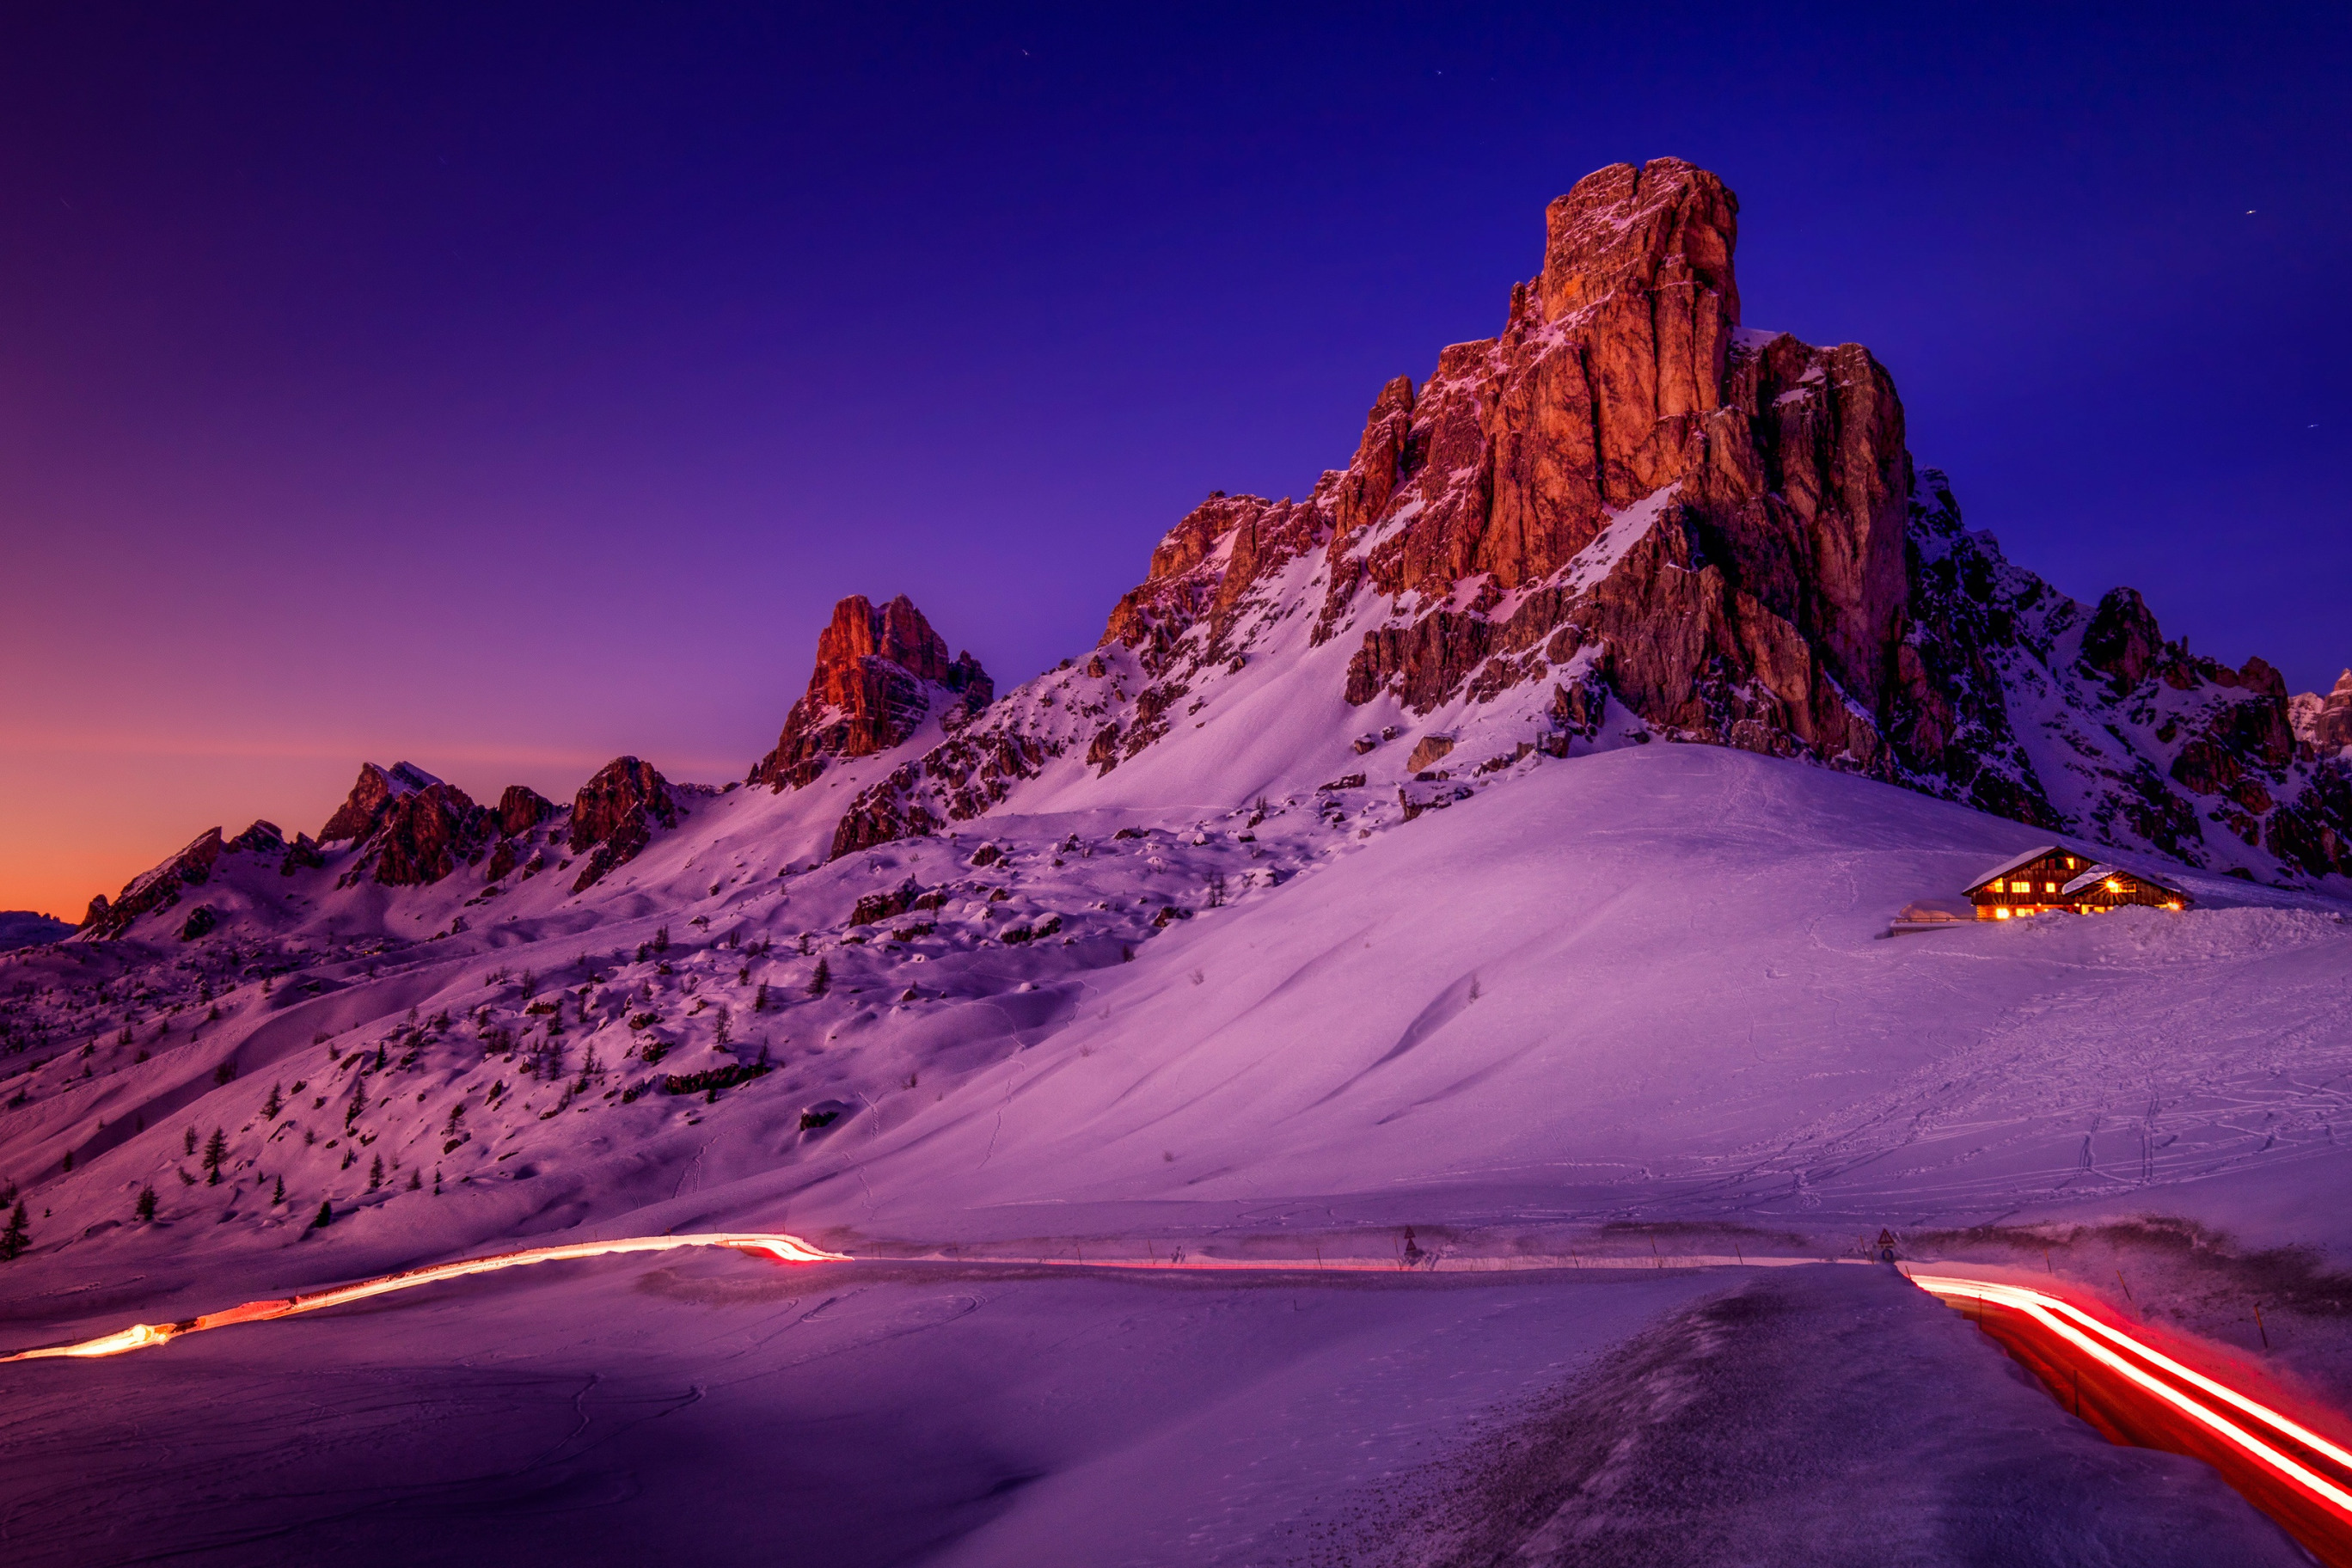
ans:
x=1886 y=1238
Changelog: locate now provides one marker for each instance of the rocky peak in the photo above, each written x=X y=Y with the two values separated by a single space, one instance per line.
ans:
x=426 y=834
x=2122 y=640
x=1635 y=228
x=372 y=795
x=261 y=838
x=2325 y=723
x=615 y=813
x=1626 y=516
x=520 y=809
x=879 y=674
x=157 y=890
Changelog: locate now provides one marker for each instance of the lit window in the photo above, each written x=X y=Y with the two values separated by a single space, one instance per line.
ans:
x=2049 y=887
x=2020 y=887
x=2114 y=886
x=2001 y=914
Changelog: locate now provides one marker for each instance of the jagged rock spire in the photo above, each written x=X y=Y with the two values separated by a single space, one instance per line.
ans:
x=880 y=673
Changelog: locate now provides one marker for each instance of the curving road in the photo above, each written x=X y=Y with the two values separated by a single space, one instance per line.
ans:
x=2138 y=1395
x=2128 y=1389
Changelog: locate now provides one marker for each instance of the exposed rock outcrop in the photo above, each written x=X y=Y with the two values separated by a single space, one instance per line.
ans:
x=157 y=890
x=364 y=809
x=261 y=838
x=300 y=856
x=426 y=835
x=2325 y=723
x=520 y=809
x=879 y=674
x=615 y=815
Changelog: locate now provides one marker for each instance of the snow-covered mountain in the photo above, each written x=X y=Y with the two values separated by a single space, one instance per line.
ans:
x=1705 y=680
x=1627 y=516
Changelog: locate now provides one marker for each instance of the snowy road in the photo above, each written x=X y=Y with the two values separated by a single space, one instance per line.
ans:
x=2113 y=1378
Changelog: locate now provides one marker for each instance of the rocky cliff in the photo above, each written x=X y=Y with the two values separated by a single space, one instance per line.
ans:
x=362 y=811
x=878 y=674
x=2325 y=723
x=1628 y=517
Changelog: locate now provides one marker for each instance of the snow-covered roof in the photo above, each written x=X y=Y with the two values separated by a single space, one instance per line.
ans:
x=2014 y=861
x=2100 y=872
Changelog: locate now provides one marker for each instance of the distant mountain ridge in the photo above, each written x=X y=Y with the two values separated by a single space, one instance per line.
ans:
x=25 y=928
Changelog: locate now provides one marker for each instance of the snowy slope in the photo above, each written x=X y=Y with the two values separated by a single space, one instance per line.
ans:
x=1650 y=985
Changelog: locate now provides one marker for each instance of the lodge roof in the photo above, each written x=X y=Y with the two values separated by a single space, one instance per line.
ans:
x=2098 y=871
x=2101 y=872
x=2014 y=861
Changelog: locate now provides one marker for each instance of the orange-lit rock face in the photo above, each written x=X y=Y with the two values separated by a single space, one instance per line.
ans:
x=615 y=815
x=880 y=673
x=1619 y=373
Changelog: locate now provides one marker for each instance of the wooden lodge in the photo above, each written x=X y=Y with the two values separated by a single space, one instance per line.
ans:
x=2053 y=878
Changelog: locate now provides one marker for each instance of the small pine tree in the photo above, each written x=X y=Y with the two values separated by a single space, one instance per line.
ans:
x=723 y=1030
x=215 y=1155
x=66 y=1165
x=188 y=1141
x=273 y=1105
x=822 y=981
x=225 y=1072
x=15 y=1238
x=415 y=1180
x=661 y=939
x=759 y=998
x=279 y=1195
x=326 y=1216
x=375 y=1173
x=145 y=1208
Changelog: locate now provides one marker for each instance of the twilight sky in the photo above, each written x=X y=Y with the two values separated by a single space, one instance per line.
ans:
x=506 y=387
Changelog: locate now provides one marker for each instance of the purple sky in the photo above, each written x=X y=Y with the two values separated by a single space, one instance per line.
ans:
x=505 y=393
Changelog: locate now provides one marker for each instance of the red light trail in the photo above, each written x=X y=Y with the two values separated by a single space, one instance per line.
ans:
x=2140 y=1395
